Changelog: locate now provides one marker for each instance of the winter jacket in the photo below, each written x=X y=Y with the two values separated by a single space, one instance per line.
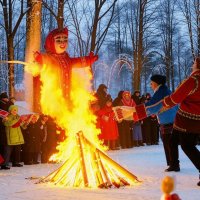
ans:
x=13 y=130
x=154 y=105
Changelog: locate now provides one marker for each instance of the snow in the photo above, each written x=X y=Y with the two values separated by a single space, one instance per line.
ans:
x=147 y=163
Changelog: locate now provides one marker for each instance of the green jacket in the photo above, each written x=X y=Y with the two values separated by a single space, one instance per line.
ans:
x=13 y=130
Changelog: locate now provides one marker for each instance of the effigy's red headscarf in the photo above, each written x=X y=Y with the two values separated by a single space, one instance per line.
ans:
x=49 y=42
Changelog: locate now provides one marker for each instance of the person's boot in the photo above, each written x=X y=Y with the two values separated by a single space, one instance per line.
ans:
x=136 y=144
x=17 y=165
x=140 y=142
x=173 y=168
x=199 y=181
x=5 y=167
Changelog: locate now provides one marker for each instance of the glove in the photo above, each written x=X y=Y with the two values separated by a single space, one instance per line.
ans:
x=93 y=57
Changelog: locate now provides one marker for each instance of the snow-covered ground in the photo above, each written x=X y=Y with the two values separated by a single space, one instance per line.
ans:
x=148 y=163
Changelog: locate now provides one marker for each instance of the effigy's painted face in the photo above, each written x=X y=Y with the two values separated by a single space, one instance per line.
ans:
x=61 y=43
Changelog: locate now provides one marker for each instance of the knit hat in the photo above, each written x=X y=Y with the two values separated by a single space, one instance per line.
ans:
x=12 y=107
x=159 y=79
x=3 y=95
x=102 y=86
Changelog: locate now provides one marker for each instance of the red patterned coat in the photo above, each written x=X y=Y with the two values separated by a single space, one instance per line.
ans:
x=188 y=96
x=108 y=125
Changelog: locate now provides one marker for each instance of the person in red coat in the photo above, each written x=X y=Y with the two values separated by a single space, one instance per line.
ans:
x=108 y=125
x=59 y=62
x=187 y=120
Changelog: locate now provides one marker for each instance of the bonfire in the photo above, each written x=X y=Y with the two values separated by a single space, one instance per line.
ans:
x=85 y=163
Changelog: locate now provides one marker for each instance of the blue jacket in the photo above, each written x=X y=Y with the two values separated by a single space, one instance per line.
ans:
x=154 y=105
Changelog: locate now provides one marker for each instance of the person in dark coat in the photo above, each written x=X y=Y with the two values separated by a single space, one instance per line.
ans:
x=166 y=119
x=32 y=136
x=4 y=105
x=150 y=127
x=137 y=126
x=136 y=97
x=49 y=141
x=116 y=102
x=101 y=95
x=118 y=99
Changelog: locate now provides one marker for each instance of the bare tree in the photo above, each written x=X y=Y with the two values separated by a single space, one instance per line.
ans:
x=191 y=12
x=13 y=13
x=57 y=12
x=97 y=17
x=167 y=26
x=3 y=67
x=33 y=38
x=140 y=17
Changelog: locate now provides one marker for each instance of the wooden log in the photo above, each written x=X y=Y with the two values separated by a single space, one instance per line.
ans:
x=66 y=167
x=82 y=158
x=104 y=172
x=117 y=166
x=47 y=178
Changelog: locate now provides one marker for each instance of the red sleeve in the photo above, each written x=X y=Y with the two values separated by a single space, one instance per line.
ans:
x=183 y=90
x=85 y=61
x=80 y=62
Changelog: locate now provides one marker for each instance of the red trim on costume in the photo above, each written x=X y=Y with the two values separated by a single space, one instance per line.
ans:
x=3 y=113
x=168 y=102
x=140 y=111
x=17 y=124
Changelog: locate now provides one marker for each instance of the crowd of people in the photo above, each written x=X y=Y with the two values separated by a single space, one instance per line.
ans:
x=178 y=115
x=172 y=116
x=28 y=139
x=126 y=133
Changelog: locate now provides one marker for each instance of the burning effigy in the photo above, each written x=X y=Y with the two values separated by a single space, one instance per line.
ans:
x=65 y=95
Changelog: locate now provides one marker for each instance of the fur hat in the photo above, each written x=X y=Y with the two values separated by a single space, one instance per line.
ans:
x=159 y=79
x=3 y=95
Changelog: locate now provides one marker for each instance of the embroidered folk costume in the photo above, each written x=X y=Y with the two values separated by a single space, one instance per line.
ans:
x=59 y=62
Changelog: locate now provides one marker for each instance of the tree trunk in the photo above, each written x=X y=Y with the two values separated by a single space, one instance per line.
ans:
x=94 y=29
x=60 y=14
x=198 y=27
x=33 y=39
x=11 y=78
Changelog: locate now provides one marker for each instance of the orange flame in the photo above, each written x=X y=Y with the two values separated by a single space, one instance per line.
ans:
x=74 y=119
x=85 y=164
